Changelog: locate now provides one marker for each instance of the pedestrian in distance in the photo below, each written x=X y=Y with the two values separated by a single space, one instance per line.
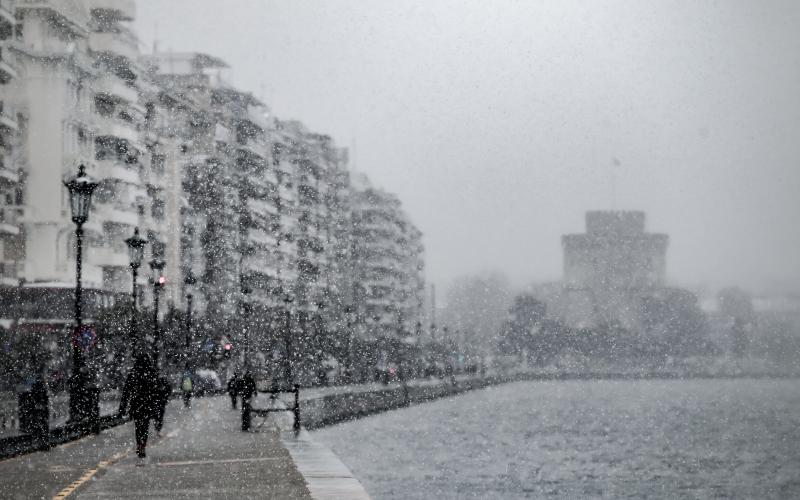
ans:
x=247 y=389
x=140 y=401
x=233 y=388
x=186 y=389
x=163 y=392
x=40 y=421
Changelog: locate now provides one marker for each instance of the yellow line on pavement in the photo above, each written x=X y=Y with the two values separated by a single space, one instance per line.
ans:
x=89 y=474
x=103 y=464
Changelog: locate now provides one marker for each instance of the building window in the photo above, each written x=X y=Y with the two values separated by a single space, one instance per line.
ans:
x=157 y=163
x=157 y=209
x=159 y=249
x=150 y=112
x=103 y=106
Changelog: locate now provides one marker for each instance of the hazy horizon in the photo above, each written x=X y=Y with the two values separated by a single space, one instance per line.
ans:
x=500 y=124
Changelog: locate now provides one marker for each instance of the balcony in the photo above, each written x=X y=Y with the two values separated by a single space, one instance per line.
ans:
x=7 y=20
x=67 y=14
x=261 y=206
x=108 y=126
x=252 y=150
x=113 y=169
x=255 y=265
x=94 y=225
x=8 y=120
x=121 y=10
x=120 y=43
x=117 y=215
x=8 y=65
x=9 y=273
x=385 y=264
x=261 y=238
x=8 y=177
x=116 y=89
x=8 y=222
x=111 y=257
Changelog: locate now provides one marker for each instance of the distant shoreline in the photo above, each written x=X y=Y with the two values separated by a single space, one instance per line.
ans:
x=647 y=375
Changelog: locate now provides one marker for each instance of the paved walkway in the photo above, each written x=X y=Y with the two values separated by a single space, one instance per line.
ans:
x=203 y=455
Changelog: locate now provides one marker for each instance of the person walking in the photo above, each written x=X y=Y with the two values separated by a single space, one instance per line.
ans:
x=247 y=389
x=40 y=420
x=233 y=388
x=163 y=392
x=186 y=388
x=139 y=399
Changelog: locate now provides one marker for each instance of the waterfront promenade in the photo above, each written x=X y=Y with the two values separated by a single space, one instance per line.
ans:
x=203 y=454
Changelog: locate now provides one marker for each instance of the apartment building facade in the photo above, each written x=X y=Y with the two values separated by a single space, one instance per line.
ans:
x=77 y=95
x=11 y=196
x=254 y=216
x=387 y=255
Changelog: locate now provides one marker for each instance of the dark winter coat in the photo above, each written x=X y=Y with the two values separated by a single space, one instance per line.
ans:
x=247 y=386
x=140 y=392
x=163 y=391
x=233 y=385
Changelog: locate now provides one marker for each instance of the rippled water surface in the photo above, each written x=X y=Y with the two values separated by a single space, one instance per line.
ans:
x=607 y=439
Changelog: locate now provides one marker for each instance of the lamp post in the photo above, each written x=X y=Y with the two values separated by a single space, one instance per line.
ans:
x=348 y=310
x=287 y=300
x=245 y=311
x=189 y=298
x=189 y=281
x=136 y=246
x=81 y=187
x=20 y=306
x=157 y=265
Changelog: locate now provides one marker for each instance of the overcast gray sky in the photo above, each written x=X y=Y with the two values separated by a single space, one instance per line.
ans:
x=499 y=123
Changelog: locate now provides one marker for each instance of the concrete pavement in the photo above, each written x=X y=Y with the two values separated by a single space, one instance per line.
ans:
x=203 y=455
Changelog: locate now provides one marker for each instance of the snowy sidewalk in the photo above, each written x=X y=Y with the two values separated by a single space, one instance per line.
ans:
x=203 y=455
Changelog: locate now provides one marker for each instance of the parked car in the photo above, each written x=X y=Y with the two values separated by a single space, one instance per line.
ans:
x=206 y=381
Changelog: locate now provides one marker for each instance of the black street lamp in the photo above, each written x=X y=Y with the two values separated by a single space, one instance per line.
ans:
x=348 y=310
x=189 y=298
x=81 y=187
x=187 y=282
x=136 y=246
x=287 y=300
x=157 y=265
x=245 y=316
